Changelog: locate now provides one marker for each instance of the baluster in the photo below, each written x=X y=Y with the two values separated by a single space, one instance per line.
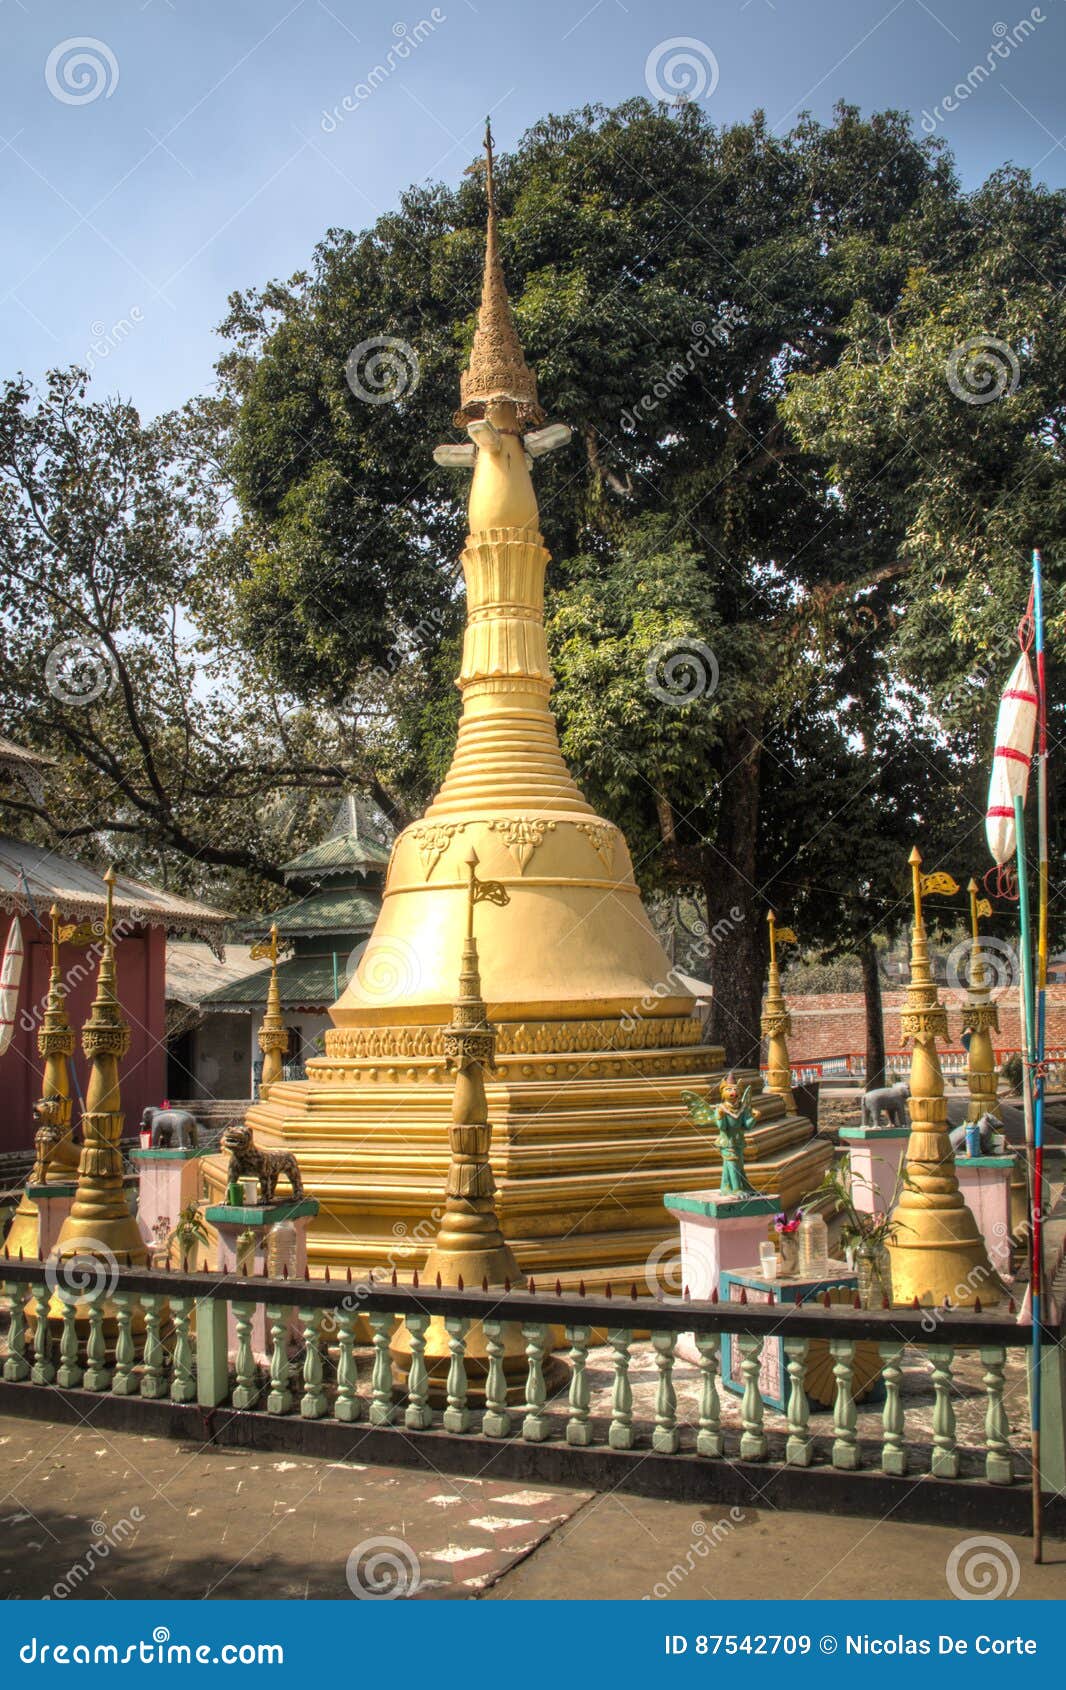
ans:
x=495 y=1422
x=183 y=1384
x=893 y=1448
x=70 y=1374
x=347 y=1406
x=313 y=1404
x=945 y=1462
x=456 y=1415
x=16 y=1367
x=43 y=1370
x=382 y=1412
x=97 y=1373
x=999 y=1469
x=709 y=1436
x=578 y=1430
x=418 y=1415
x=153 y=1379
x=246 y=1388
x=620 y=1435
x=845 y=1414
x=537 y=1424
x=279 y=1397
x=124 y=1383
x=798 y=1447
x=666 y=1438
x=752 y=1438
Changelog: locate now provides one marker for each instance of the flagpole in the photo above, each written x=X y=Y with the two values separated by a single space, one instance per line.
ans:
x=1029 y=1069
x=1041 y=1038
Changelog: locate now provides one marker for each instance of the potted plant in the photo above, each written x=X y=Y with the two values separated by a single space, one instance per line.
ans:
x=787 y=1227
x=866 y=1236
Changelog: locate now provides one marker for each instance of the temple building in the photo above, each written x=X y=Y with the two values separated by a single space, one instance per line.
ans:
x=33 y=878
x=597 y=1037
x=337 y=887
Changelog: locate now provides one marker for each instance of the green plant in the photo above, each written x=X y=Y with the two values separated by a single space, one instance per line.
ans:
x=861 y=1230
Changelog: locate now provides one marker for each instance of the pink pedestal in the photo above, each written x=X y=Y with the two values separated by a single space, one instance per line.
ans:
x=718 y=1232
x=54 y=1204
x=229 y=1224
x=169 y=1182
x=985 y=1185
x=875 y=1154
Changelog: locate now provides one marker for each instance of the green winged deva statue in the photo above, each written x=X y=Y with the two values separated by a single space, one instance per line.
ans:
x=732 y=1120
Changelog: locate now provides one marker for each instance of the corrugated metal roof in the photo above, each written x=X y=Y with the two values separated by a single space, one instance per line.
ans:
x=338 y=856
x=33 y=878
x=304 y=983
x=193 y=970
x=333 y=909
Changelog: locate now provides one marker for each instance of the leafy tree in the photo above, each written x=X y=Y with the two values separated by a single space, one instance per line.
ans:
x=119 y=653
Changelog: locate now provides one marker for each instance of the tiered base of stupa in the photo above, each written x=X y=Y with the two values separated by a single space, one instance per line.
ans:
x=589 y=1133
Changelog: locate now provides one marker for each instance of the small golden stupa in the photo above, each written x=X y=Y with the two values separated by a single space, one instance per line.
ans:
x=980 y=1018
x=596 y=1036
x=939 y=1253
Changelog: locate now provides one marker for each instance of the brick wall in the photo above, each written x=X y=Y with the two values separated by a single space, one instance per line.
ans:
x=834 y=1023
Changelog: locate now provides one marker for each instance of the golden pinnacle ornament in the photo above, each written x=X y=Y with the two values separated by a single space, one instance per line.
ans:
x=55 y=1042
x=273 y=1034
x=99 y=1223
x=980 y=1018
x=939 y=1253
x=470 y=1245
x=776 y=1021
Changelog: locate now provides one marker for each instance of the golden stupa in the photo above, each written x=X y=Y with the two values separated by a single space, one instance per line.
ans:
x=596 y=1035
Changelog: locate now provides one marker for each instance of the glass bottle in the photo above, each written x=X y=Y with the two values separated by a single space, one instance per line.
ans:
x=813 y=1246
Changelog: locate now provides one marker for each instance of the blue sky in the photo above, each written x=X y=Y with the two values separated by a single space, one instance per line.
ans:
x=192 y=151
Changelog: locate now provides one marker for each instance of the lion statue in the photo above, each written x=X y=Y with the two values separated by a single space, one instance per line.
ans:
x=47 y=1117
x=246 y=1159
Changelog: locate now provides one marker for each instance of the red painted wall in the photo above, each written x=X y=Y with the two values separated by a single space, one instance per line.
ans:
x=141 y=966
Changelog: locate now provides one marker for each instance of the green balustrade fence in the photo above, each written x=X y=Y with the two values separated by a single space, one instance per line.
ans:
x=315 y=1365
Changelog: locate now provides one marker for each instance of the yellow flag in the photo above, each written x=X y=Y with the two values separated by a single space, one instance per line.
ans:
x=263 y=951
x=984 y=906
x=938 y=883
x=490 y=891
x=785 y=936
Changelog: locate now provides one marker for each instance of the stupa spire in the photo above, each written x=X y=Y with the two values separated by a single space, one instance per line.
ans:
x=497 y=370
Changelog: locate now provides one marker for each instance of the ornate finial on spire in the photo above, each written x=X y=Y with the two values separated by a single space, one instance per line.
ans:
x=273 y=1034
x=980 y=1019
x=498 y=370
x=776 y=1023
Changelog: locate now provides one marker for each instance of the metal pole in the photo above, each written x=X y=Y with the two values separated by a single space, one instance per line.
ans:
x=1037 y=1272
x=1029 y=1067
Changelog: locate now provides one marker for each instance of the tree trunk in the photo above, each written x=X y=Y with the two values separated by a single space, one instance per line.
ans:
x=736 y=936
x=875 y=1020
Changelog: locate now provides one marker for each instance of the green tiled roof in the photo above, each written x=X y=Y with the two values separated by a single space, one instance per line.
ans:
x=305 y=982
x=333 y=909
x=338 y=856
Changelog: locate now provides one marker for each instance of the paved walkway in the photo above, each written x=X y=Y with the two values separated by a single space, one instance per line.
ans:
x=98 y=1515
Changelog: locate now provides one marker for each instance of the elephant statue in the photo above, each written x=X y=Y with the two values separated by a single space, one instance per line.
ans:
x=886 y=1100
x=171 y=1129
